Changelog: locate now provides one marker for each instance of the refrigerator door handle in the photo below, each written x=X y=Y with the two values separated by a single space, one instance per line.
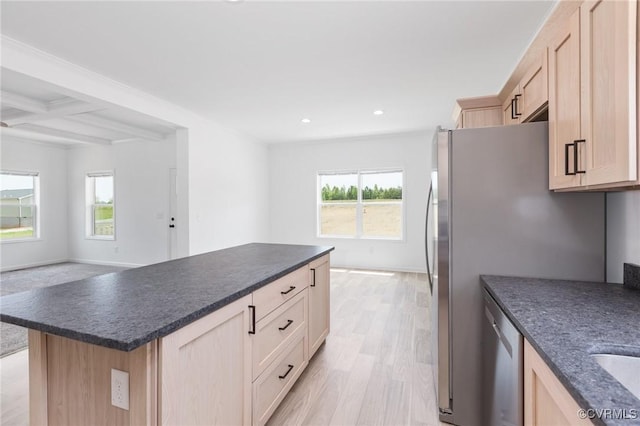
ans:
x=426 y=238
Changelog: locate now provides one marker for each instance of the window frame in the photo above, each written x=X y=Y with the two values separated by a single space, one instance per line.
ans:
x=35 y=206
x=90 y=205
x=360 y=204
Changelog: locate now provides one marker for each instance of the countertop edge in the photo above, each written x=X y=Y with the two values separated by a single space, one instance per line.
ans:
x=128 y=346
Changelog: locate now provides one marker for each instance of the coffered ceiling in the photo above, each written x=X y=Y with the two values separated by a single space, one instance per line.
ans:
x=34 y=110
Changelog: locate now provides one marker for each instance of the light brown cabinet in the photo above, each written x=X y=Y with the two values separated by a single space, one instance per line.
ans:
x=280 y=341
x=231 y=367
x=205 y=370
x=546 y=401
x=482 y=111
x=530 y=95
x=319 y=304
x=593 y=94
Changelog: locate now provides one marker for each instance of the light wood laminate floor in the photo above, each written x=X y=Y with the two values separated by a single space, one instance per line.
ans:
x=374 y=369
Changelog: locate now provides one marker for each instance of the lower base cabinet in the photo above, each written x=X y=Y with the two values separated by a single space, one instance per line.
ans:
x=231 y=367
x=205 y=370
x=546 y=401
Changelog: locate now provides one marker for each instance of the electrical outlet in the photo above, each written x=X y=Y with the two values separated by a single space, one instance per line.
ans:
x=120 y=389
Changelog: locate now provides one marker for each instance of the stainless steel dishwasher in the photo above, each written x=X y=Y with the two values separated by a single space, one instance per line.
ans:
x=502 y=386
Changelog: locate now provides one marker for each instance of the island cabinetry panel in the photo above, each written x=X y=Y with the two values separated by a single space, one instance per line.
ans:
x=70 y=382
x=319 y=303
x=546 y=401
x=278 y=329
x=269 y=297
x=270 y=388
x=205 y=370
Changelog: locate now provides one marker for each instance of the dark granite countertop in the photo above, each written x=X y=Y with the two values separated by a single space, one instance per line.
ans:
x=125 y=310
x=566 y=321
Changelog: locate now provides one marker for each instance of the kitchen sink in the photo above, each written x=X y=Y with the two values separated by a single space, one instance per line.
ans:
x=624 y=368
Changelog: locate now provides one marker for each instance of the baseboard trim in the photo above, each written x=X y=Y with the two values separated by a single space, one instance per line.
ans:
x=378 y=268
x=100 y=262
x=31 y=265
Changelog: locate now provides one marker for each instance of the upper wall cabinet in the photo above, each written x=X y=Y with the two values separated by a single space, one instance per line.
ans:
x=530 y=96
x=482 y=111
x=593 y=98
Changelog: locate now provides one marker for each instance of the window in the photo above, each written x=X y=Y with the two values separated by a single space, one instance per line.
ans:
x=100 y=206
x=361 y=204
x=18 y=205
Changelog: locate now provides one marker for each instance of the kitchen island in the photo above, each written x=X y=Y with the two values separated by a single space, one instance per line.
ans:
x=564 y=323
x=194 y=337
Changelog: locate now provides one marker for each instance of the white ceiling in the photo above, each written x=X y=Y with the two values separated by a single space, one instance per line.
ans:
x=260 y=67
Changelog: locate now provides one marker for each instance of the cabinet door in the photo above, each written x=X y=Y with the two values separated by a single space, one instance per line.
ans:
x=481 y=117
x=205 y=370
x=534 y=88
x=318 y=303
x=546 y=401
x=564 y=106
x=608 y=54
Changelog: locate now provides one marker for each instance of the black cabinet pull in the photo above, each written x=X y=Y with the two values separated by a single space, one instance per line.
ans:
x=253 y=319
x=291 y=288
x=289 y=322
x=313 y=281
x=575 y=155
x=287 y=373
x=515 y=106
x=566 y=159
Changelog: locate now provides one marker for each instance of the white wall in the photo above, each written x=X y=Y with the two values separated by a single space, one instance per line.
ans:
x=141 y=201
x=293 y=194
x=208 y=155
x=623 y=232
x=228 y=189
x=51 y=162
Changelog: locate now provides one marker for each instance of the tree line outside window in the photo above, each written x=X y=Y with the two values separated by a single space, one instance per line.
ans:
x=361 y=204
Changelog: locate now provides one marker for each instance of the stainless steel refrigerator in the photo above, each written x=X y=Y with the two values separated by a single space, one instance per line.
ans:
x=490 y=212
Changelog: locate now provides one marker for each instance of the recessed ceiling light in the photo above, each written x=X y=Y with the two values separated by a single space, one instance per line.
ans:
x=378 y=112
x=306 y=120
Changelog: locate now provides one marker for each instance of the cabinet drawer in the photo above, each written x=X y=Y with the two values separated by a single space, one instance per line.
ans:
x=275 y=294
x=277 y=330
x=272 y=386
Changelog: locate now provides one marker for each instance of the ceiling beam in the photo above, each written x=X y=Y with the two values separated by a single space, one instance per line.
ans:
x=23 y=103
x=108 y=124
x=55 y=109
x=43 y=133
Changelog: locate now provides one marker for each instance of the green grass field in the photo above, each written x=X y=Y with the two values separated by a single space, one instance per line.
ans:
x=16 y=233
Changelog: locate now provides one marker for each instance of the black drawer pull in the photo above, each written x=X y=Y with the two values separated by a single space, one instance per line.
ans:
x=289 y=322
x=291 y=288
x=287 y=373
x=513 y=109
x=313 y=282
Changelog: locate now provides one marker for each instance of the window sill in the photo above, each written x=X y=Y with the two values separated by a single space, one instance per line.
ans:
x=349 y=237
x=99 y=238
x=20 y=240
